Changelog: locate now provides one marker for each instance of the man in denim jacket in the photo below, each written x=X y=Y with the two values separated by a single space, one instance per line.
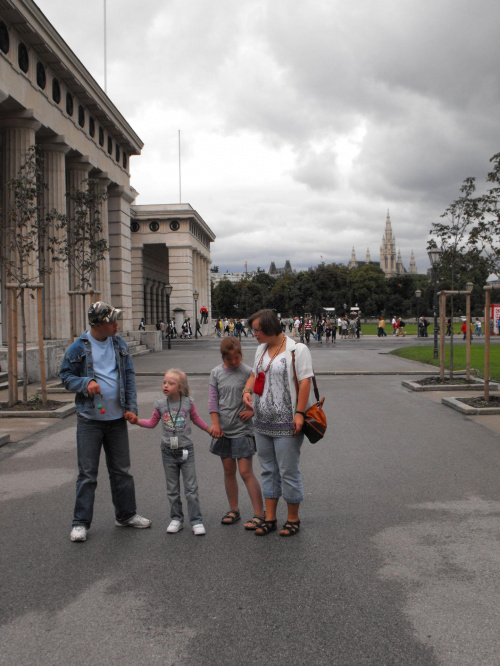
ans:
x=99 y=368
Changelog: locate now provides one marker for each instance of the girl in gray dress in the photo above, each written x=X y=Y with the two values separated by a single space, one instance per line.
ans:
x=232 y=430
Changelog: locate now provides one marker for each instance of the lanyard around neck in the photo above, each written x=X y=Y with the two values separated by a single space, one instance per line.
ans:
x=174 y=421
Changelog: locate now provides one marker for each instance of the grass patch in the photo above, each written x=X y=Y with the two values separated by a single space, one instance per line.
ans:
x=425 y=355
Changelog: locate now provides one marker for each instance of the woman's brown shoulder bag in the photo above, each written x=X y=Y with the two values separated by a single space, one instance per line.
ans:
x=314 y=427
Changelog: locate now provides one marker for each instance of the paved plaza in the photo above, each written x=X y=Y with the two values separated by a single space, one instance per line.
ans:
x=397 y=561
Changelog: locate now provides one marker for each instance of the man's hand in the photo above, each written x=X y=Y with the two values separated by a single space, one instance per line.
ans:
x=131 y=418
x=93 y=388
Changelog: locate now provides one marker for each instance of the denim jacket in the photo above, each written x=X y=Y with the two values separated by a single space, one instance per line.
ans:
x=77 y=370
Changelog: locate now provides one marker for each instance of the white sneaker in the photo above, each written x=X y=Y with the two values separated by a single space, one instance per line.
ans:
x=175 y=526
x=78 y=533
x=198 y=529
x=136 y=521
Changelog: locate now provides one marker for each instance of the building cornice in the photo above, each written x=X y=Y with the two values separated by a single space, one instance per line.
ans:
x=36 y=30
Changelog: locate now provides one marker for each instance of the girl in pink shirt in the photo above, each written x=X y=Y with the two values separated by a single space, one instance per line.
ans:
x=176 y=411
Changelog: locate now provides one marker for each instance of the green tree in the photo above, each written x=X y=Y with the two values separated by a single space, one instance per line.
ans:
x=224 y=299
x=368 y=288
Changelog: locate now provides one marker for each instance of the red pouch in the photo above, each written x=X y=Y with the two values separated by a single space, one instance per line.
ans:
x=258 y=386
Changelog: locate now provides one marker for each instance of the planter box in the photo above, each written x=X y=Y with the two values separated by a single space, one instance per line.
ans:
x=474 y=385
x=59 y=413
x=461 y=407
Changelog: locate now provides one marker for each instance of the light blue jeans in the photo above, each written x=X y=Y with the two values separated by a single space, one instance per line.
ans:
x=279 y=458
x=173 y=466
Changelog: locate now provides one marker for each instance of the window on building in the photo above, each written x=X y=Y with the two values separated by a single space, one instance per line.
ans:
x=124 y=160
x=91 y=126
x=110 y=145
x=101 y=137
x=56 y=91
x=69 y=104
x=4 y=38
x=23 y=57
x=117 y=152
x=41 y=77
x=81 y=116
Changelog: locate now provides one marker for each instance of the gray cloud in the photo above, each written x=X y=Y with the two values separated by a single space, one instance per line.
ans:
x=267 y=93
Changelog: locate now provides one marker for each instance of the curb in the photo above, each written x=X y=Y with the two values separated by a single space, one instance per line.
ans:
x=475 y=385
x=461 y=407
x=60 y=413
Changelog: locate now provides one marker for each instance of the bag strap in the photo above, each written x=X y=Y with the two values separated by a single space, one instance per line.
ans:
x=316 y=392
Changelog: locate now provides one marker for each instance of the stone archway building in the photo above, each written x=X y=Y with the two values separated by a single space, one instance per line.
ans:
x=170 y=244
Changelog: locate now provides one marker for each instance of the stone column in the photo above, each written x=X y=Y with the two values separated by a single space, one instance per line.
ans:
x=147 y=299
x=55 y=293
x=18 y=137
x=181 y=278
x=77 y=174
x=120 y=243
x=102 y=278
x=138 y=286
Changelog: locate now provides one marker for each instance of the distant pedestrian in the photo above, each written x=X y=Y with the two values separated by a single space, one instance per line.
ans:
x=478 y=327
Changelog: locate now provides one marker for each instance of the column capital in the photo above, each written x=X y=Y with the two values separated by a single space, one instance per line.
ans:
x=20 y=120
x=56 y=144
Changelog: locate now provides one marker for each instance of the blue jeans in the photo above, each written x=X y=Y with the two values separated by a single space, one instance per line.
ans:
x=173 y=466
x=279 y=458
x=91 y=435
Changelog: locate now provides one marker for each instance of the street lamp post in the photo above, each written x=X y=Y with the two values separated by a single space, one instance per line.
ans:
x=196 y=296
x=435 y=259
x=418 y=293
x=168 y=289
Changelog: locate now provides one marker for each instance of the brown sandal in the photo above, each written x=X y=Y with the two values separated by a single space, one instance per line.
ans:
x=254 y=522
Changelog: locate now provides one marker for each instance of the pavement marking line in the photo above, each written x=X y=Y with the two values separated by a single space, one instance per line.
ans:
x=133 y=635
x=449 y=563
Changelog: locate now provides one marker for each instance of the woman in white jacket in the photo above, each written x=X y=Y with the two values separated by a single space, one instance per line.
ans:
x=279 y=416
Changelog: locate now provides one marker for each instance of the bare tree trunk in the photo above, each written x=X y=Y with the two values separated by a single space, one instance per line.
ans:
x=13 y=381
x=451 y=336
x=41 y=350
x=25 y=351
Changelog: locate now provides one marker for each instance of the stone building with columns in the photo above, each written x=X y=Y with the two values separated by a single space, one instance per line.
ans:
x=49 y=99
x=170 y=245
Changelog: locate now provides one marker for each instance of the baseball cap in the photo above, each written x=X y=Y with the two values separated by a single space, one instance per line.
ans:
x=103 y=313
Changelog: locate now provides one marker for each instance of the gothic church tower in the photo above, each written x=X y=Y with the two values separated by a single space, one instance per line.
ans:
x=388 y=259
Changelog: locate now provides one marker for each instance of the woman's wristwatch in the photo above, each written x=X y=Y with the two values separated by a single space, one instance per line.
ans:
x=246 y=390
x=302 y=413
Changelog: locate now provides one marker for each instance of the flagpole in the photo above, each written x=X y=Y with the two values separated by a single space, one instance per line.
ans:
x=180 y=191
x=105 y=53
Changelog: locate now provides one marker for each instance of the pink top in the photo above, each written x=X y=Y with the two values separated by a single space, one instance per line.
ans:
x=155 y=419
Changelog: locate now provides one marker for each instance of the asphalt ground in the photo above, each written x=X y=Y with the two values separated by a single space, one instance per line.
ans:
x=397 y=560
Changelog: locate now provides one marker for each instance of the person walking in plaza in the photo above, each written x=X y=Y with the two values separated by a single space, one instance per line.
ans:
x=394 y=325
x=279 y=417
x=98 y=368
x=296 y=327
x=320 y=327
x=478 y=327
x=381 y=328
x=232 y=428
x=176 y=411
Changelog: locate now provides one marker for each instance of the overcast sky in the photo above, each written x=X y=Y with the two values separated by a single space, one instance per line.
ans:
x=302 y=122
